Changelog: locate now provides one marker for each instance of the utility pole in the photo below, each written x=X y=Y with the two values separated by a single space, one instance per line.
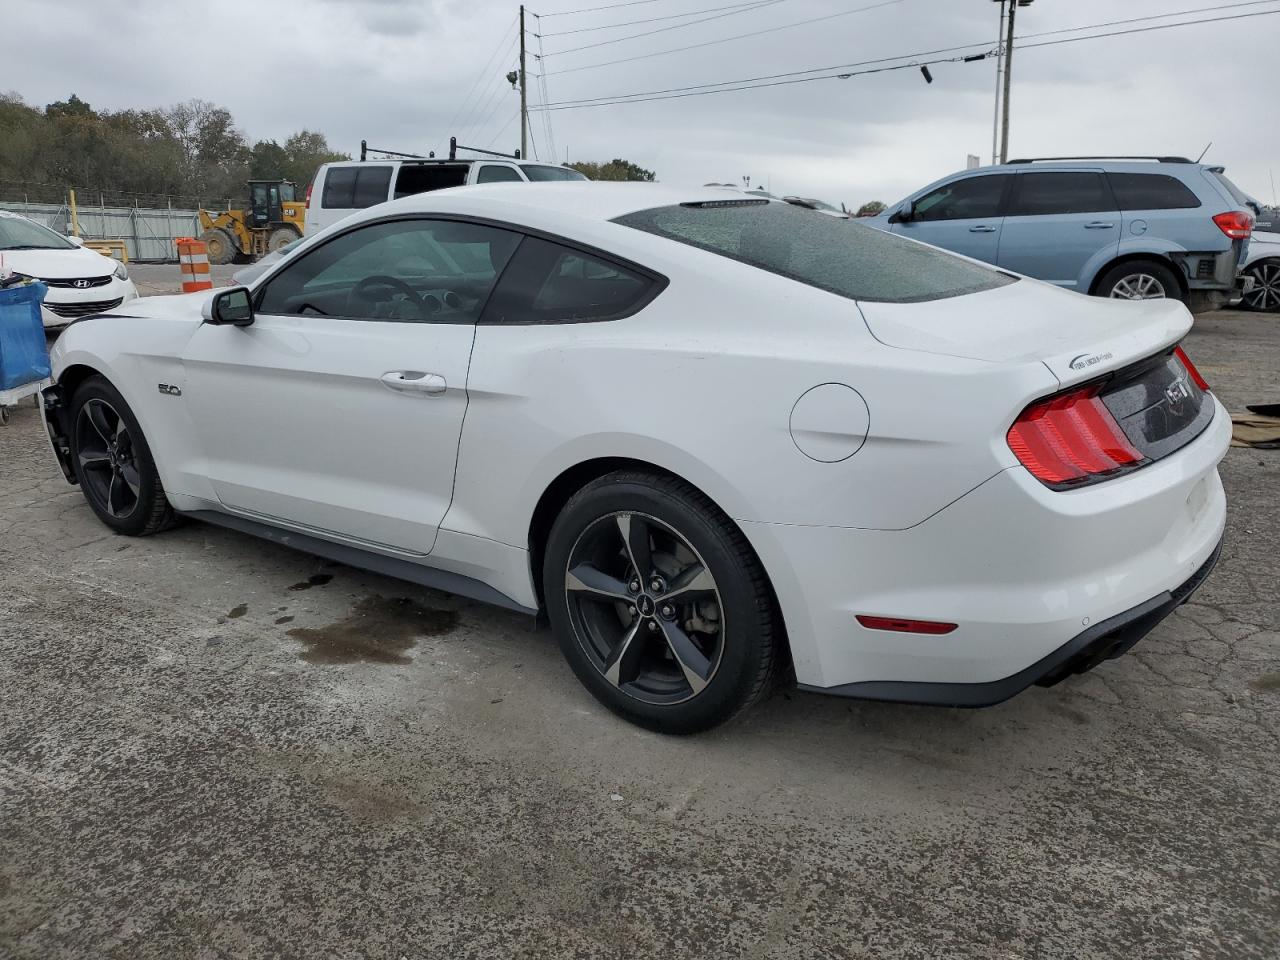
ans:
x=1008 y=78
x=524 y=105
x=995 y=119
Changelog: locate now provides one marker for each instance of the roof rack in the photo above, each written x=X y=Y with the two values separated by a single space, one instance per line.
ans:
x=454 y=147
x=1104 y=156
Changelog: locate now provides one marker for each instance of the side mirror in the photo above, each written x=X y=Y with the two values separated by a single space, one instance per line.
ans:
x=904 y=213
x=76 y=240
x=231 y=307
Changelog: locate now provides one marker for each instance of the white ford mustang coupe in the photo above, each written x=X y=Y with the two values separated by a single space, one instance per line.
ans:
x=712 y=439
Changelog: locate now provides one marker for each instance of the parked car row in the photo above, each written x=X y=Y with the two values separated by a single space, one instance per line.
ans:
x=1132 y=229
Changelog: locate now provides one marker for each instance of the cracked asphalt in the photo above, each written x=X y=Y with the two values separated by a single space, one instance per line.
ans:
x=211 y=747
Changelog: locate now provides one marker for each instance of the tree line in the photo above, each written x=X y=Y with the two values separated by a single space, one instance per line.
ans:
x=192 y=149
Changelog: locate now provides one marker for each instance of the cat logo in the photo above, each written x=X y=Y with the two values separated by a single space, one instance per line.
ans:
x=169 y=390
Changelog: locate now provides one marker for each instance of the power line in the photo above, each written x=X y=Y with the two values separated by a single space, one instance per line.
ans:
x=740 y=36
x=632 y=23
x=607 y=6
x=676 y=26
x=489 y=95
x=484 y=71
x=752 y=83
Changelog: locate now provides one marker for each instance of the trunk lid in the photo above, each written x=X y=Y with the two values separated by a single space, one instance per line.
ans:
x=1077 y=338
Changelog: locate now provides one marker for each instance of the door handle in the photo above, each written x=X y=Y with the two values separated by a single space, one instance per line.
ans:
x=415 y=381
x=982 y=229
x=1099 y=225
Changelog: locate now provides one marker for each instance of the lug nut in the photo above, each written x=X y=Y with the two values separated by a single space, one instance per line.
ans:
x=632 y=609
x=656 y=585
x=668 y=611
x=653 y=627
x=634 y=586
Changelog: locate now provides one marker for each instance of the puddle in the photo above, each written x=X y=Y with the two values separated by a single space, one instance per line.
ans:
x=378 y=630
x=315 y=580
x=1267 y=683
x=235 y=613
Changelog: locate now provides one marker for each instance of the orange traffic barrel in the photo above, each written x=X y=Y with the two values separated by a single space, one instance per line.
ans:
x=193 y=257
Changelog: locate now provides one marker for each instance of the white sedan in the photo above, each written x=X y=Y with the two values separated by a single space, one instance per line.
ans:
x=712 y=438
x=81 y=282
x=1262 y=263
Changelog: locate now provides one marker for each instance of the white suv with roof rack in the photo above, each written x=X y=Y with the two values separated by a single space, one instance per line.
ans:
x=341 y=188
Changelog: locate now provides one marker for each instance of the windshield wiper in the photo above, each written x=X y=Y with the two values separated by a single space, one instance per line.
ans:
x=31 y=246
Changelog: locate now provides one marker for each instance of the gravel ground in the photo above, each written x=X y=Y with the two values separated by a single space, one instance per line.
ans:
x=201 y=755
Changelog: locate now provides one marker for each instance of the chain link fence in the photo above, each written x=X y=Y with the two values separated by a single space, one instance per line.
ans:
x=148 y=224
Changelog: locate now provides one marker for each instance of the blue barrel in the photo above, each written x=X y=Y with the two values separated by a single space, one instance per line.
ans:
x=24 y=356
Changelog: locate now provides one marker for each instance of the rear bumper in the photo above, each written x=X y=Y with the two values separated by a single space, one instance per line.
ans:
x=1104 y=641
x=1025 y=572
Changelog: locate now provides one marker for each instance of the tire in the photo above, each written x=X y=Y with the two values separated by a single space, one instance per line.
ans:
x=1265 y=295
x=1140 y=280
x=221 y=248
x=727 y=633
x=117 y=474
x=281 y=237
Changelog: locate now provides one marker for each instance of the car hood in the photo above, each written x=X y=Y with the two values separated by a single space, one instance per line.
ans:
x=181 y=306
x=58 y=264
x=1075 y=336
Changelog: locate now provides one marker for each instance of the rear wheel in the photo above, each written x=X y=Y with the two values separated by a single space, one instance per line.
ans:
x=1140 y=280
x=219 y=246
x=113 y=462
x=1265 y=295
x=279 y=238
x=660 y=605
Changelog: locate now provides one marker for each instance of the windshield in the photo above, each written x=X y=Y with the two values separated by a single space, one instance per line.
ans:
x=538 y=173
x=837 y=255
x=19 y=233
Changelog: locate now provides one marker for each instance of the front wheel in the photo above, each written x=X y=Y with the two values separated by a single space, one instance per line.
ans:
x=1265 y=295
x=113 y=462
x=1140 y=280
x=660 y=605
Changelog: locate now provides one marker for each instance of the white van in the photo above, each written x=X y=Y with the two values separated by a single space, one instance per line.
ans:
x=341 y=188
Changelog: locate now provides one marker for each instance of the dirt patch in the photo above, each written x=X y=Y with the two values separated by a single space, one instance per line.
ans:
x=378 y=630
x=1267 y=683
x=315 y=580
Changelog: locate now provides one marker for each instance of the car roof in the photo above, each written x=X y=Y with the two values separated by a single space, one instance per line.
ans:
x=1119 y=165
x=587 y=200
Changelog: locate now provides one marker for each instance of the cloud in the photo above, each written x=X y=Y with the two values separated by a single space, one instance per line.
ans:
x=406 y=74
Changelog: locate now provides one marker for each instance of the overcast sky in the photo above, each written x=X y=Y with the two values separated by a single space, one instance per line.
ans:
x=398 y=73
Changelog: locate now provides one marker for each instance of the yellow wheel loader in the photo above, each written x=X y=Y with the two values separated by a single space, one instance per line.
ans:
x=273 y=219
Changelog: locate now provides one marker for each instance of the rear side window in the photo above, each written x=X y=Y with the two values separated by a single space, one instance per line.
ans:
x=1043 y=194
x=349 y=188
x=969 y=199
x=550 y=283
x=425 y=177
x=497 y=173
x=538 y=173
x=833 y=254
x=1151 y=191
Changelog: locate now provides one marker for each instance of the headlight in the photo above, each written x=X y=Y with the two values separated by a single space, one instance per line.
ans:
x=122 y=271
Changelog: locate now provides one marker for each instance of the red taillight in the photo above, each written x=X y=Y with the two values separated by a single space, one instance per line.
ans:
x=1071 y=438
x=900 y=625
x=1191 y=369
x=1236 y=224
x=307 y=205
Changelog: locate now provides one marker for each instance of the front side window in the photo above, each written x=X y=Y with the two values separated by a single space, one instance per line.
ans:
x=497 y=173
x=840 y=256
x=19 y=233
x=550 y=283
x=973 y=198
x=409 y=271
x=347 y=188
x=1045 y=194
x=536 y=173
x=1151 y=191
